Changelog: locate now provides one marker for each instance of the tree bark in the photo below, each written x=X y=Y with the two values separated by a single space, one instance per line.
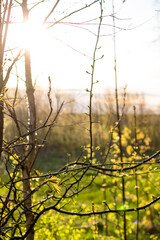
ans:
x=1 y=83
x=1 y=125
x=5 y=13
x=27 y=166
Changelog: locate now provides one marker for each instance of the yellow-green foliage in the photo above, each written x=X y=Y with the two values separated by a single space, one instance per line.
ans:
x=105 y=192
x=54 y=226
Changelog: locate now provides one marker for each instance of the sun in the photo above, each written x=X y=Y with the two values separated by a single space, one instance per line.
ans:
x=31 y=35
x=34 y=36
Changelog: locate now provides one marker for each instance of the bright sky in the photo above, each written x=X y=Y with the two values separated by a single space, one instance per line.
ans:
x=65 y=51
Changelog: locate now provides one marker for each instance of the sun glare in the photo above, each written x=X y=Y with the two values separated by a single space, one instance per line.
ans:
x=32 y=35
x=37 y=39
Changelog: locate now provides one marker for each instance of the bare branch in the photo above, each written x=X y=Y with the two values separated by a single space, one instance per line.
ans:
x=52 y=10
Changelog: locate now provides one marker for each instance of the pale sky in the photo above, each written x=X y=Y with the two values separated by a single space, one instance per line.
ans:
x=65 y=51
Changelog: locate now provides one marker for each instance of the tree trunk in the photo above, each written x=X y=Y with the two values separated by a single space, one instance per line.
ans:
x=5 y=13
x=1 y=83
x=1 y=101
x=26 y=168
x=1 y=125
